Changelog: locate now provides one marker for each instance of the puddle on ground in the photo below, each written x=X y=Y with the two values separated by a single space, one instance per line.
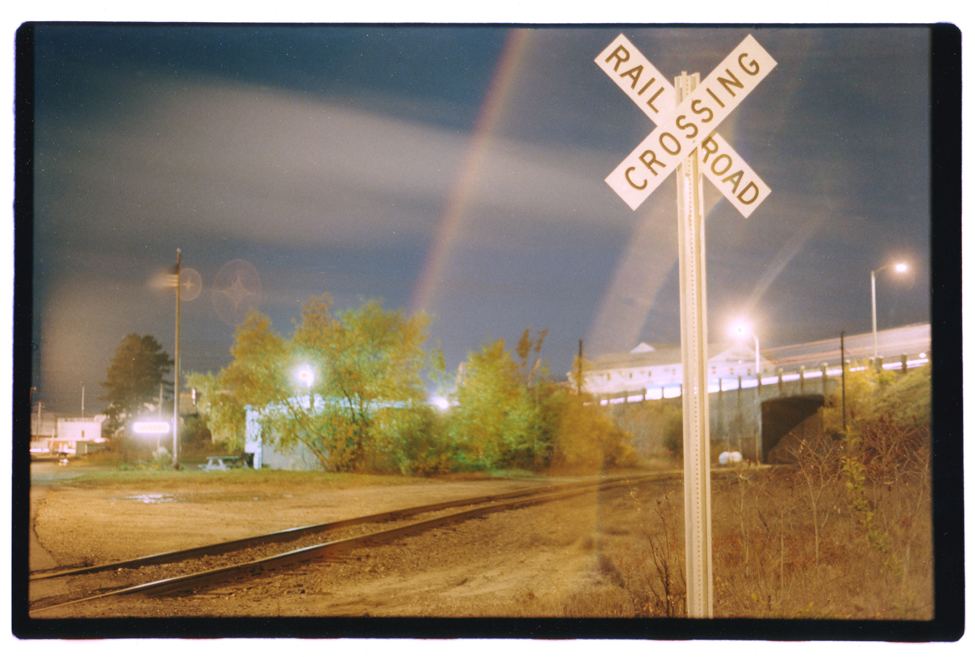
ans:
x=151 y=498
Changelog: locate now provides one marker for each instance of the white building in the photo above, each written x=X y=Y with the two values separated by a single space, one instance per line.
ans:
x=52 y=436
x=268 y=455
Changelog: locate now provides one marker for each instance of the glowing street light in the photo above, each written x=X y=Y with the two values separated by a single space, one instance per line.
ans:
x=306 y=375
x=741 y=329
x=440 y=402
x=900 y=268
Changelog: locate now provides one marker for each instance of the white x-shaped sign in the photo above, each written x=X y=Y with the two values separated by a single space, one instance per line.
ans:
x=690 y=125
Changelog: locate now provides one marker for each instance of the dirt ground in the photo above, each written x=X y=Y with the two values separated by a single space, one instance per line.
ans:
x=547 y=560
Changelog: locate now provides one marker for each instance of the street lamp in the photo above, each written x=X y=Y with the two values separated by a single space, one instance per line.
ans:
x=741 y=330
x=306 y=375
x=900 y=268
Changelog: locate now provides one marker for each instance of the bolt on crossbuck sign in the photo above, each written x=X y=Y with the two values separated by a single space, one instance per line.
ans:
x=682 y=128
x=685 y=141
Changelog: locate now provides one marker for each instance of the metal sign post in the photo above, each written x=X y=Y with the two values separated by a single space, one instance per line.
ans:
x=694 y=356
x=685 y=140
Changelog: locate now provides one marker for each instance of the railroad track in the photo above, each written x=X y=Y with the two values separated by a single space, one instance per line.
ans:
x=196 y=569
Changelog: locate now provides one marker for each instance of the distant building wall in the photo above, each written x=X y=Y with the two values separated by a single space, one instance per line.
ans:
x=43 y=424
x=298 y=458
x=268 y=455
x=53 y=436
x=79 y=428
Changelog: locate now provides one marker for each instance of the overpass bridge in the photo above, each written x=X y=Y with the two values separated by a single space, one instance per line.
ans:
x=752 y=412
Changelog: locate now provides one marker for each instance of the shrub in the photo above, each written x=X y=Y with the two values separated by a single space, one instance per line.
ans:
x=588 y=441
x=656 y=427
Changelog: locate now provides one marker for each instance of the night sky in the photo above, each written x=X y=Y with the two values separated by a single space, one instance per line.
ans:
x=457 y=170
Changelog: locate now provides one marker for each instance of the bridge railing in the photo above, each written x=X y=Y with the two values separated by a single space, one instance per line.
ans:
x=779 y=378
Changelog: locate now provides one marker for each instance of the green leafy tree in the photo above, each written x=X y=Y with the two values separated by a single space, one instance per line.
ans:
x=362 y=393
x=494 y=423
x=257 y=375
x=133 y=379
x=544 y=396
x=368 y=388
x=219 y=409
x=509 y=415
x=371 y=375
x=526 y=347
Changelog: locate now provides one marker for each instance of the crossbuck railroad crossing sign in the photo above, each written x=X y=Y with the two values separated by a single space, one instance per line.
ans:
x=685 y=140
x=681 y=129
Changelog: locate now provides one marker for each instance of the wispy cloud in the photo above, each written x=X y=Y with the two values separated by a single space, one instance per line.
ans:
x=273 y=166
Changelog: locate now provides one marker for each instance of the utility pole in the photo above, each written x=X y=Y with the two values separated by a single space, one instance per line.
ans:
x=159 y=416
x=179 y=287
x=579 y=381
x=843 y=378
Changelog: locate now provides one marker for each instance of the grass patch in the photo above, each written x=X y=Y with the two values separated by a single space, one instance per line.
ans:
x=515 y=474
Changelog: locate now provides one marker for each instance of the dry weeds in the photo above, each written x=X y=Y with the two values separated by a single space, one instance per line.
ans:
x=843 y=532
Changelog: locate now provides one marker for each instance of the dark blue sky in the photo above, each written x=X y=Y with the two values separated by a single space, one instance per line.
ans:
x=459 y=170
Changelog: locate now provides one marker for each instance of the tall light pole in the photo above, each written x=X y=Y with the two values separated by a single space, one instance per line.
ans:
x=190 y=280
x=179 y=288
x=899 y=267
x=741 y=329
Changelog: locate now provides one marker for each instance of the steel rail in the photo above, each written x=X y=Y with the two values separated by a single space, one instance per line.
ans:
x=329 y=550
